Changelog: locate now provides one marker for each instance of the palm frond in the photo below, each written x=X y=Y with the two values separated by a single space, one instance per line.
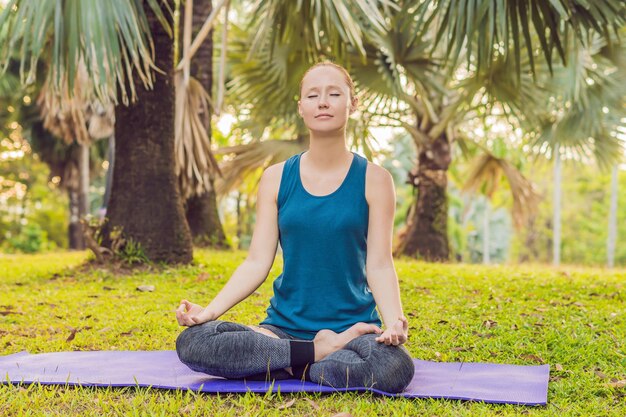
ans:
x=195 y=162
x=246 y=159
x=268 y=84
x=336 y=23
x=484 y=27
x=393 y=59
x=587 y=106
x=488 y=170
x=111 y=38
x=76 y=116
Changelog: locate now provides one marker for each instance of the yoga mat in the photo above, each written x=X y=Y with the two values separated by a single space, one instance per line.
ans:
x=493 y=383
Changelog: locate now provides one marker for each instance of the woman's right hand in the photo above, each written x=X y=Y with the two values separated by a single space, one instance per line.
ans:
x=190 y=314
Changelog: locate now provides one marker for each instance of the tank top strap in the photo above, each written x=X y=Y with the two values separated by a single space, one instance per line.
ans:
x=288 y=180
x=356 y=180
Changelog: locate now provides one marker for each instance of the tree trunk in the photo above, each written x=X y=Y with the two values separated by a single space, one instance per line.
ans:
x=427 y=231
x=204 y=221
x=83 y=180
x=201 y=212
x=556 y=214
x=108 y=182
x=486 y=237
x=75 y=233
x=239 y=220
x=612 y=238
x=531 y=242
x=145 y=202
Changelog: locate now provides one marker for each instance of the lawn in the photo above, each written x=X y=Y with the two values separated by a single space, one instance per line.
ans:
x=571 y=318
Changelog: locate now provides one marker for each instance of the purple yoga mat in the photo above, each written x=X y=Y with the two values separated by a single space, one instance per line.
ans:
x=493 y=383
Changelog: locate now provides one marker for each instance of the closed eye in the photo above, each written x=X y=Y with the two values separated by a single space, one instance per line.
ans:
x=334 y=94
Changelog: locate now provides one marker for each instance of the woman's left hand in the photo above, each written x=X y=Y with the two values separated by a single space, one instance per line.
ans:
x=396 y=334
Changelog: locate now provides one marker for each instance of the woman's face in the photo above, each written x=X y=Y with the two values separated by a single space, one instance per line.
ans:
x=325 y=102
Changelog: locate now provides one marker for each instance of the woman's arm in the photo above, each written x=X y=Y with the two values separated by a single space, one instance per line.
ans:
x=381 y=273
x=254 y=270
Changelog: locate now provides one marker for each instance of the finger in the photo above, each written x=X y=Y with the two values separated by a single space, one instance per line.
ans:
x=180 y=316
x=394 y=339
x=202 y=316
x=405 y=323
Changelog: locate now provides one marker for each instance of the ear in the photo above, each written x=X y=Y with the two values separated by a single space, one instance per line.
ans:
x=299 y=109
x=354 y=104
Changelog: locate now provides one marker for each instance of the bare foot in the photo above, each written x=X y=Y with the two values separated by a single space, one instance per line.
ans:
x=326 y=341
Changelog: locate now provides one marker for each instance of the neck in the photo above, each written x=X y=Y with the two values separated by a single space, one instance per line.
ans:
x=327 y=150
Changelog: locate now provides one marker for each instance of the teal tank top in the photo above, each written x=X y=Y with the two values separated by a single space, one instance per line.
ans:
x=324 y=241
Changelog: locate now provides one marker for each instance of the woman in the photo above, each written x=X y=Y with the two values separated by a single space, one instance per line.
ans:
x=333 y=213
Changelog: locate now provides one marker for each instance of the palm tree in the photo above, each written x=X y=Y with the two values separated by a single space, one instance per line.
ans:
x=330 y=25
x=201 y=207
x=125 y=46
x=485 y=175
x=401 y=72
x=52 y=132
x=583 y=122
x=82 y=121
x=144 y=160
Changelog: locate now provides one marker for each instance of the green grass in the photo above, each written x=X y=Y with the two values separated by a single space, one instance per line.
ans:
x=569 y=316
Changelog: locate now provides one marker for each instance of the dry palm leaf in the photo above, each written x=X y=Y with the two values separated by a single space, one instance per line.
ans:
x=250 y=157
x=488 y=170
x=195 y=162
x=75 y=116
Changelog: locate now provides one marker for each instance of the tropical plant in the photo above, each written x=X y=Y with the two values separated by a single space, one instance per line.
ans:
x=126 y=46
x=69 y=162
x=198 y=182
x=584 y=115
x=406 y=80
x=485 y=176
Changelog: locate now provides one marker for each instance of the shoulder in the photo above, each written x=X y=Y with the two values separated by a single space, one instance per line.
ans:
x=377 y=177
x=274 y=171
x=378 y=183
x=270 y=180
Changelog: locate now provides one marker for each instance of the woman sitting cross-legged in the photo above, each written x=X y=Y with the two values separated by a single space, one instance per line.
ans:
x=332 y=212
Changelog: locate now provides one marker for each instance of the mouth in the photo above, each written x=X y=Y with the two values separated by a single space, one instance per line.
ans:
x=324 y=115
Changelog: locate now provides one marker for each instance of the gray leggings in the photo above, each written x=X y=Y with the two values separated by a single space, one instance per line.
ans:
x=232 y=350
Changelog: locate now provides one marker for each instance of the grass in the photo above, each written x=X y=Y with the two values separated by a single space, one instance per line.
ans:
x=573 y=317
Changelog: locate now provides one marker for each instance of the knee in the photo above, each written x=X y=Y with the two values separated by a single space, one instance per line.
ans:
x=392 y=368
x=399 y=372
x=386 y=368
x=183 y=344
x=190 y=341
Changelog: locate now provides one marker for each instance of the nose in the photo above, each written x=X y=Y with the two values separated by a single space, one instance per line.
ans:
x=323 y=103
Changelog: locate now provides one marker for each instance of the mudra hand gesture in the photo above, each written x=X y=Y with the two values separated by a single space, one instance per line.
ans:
x=190 y=314
x=396 y=334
